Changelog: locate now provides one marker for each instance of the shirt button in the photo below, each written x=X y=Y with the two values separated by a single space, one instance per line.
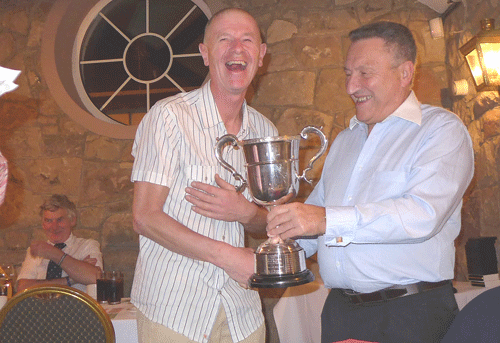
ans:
x=338 y=264
x=349 y=198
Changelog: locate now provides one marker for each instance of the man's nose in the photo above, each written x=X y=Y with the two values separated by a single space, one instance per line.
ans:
x=352 y=84
x=237 y=45
x=51 y=225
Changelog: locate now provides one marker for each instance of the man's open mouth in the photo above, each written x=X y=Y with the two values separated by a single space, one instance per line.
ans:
x=236 y=65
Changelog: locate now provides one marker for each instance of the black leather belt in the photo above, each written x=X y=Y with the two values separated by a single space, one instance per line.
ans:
x=393 y=292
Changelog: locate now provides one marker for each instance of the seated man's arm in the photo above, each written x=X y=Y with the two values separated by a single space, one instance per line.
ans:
x=78 y=271
x=22 y=284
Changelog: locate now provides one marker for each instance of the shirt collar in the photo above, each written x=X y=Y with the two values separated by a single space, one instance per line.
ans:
x=409 y=110
x=70 y=239
x=210 y=121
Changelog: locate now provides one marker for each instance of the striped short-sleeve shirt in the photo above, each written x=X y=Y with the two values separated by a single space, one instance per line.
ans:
x=174 y=146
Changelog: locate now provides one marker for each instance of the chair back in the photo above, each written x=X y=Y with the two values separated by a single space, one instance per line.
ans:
x=49 y=314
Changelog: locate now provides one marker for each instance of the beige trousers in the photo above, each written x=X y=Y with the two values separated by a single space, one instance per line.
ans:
x=151 y=332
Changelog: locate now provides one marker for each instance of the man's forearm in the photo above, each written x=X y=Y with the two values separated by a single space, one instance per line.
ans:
x=80 y=271
x=22 y=284
x=257 y=222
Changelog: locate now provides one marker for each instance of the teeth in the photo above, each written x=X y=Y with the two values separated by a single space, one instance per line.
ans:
x=243 y=63
x=362 y=98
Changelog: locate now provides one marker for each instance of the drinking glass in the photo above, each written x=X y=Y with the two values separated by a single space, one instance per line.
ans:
x=102 y=286
x=114 y=292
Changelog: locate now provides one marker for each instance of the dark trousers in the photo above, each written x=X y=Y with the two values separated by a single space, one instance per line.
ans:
x=418 y=318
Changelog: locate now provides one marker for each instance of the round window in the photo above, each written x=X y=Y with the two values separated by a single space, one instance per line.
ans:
x=106 y=62
x=133 y=53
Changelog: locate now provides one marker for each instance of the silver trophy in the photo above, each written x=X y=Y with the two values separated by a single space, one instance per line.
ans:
x=272 y=166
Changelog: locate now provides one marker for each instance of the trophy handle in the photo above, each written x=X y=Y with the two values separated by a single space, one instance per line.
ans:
x=219 y=146
x=324 y=142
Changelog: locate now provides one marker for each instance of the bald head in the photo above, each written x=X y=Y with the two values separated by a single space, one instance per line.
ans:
x=222 y=13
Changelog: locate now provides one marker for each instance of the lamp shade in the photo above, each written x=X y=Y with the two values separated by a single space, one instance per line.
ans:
x=482 y=54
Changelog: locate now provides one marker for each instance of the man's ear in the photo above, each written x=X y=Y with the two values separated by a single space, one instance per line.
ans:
x=407 y=69
x=204 y=53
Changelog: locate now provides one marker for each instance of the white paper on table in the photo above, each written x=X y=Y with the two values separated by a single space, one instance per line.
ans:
x=7 y=78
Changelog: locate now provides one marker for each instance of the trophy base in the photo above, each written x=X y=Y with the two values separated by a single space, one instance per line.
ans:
x=281 y=281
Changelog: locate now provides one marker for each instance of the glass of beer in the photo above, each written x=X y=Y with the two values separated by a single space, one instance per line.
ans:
x=102 y=286
x=114 y=291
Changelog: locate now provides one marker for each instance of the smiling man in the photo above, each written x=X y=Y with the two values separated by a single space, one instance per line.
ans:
x=384 y=216
x=190 y=282
x=64 y=258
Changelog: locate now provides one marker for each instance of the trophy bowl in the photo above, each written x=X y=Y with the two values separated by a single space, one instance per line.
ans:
x=272 y=166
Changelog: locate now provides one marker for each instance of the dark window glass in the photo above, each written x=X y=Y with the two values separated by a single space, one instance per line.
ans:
x=136 y=52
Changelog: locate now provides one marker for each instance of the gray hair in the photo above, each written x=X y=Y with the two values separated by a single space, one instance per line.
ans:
x=396 y=36
x=57 y=201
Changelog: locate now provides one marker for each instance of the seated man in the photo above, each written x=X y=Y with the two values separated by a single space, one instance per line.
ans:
x=64 y=259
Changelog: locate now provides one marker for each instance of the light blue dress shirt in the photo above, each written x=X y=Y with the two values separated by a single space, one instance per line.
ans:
x=393 y=199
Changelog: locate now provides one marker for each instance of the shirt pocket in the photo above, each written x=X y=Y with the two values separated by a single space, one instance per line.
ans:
x=201 y=173
x=206 y=174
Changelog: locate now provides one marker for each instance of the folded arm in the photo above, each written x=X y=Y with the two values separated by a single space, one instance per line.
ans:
x=79 y=271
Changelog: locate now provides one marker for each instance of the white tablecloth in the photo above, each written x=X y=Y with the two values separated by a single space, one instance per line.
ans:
x=123 y=316
x=298 y=313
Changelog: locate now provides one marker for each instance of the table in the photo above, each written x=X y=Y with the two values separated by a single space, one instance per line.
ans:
x=123 y=316
x=298 y=313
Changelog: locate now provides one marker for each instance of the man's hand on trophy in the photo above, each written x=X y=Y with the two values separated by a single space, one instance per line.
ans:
x=221 y=203
x=296 y=220
x=238 y=263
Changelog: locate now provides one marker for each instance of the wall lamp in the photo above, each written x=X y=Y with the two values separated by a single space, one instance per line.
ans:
x=482 y=54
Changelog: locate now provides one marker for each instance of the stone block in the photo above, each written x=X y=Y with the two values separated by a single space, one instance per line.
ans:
x=21 y=207
x=491 y=123
x=331 y=95
x=7 y=43
x=16 y=19
x=486 y=171
x=490 y=207
x=429 y=50
x=26 y=143
x=293 y=120
x=105 y=183
x=16 y=240
x=117 y=231
x=92 y=217
x=371 y=10
x=57 y=144
x=286 y=88
x=318 y=51
x=428 y=82
x=317 y=23
x=54 y=175
x=103 y=148
x=280 y=30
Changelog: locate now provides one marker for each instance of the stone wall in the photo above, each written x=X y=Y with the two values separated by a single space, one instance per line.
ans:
x=302 y=83
x=480 y=111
